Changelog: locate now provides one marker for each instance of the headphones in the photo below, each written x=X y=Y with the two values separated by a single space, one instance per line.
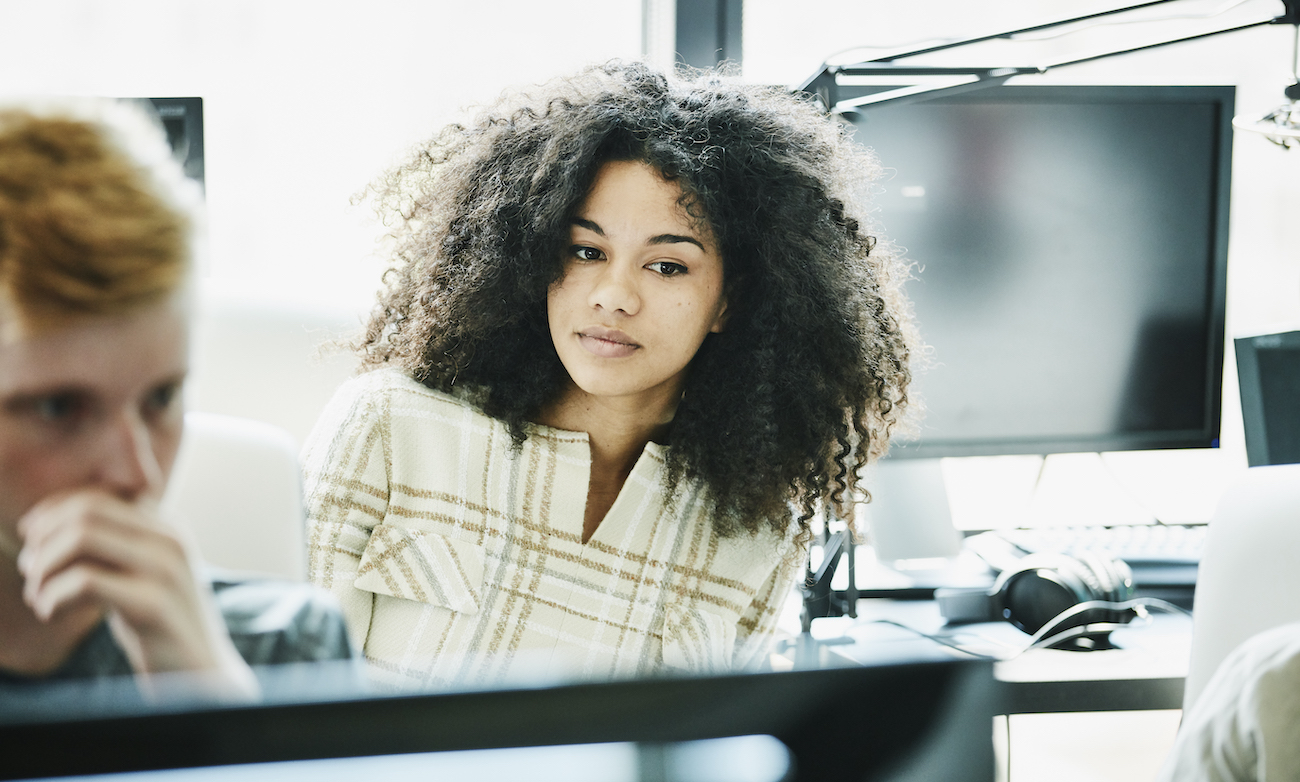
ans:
x=1043 y=586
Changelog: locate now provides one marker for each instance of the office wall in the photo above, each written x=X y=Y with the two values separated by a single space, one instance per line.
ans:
x=784 y=46
x=305 y=103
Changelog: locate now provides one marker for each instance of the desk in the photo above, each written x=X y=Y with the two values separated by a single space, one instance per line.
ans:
x=1145 y=672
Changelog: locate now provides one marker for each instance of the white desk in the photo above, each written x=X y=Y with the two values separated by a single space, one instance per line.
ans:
x=1146 y=671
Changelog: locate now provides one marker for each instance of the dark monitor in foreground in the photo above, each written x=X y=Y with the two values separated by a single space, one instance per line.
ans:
x=1071 y=248
x=1268 y=371
x=919 y=721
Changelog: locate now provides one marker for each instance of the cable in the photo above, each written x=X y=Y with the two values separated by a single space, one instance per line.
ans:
x=1006 y=719
x=1044 y=637
x=937 y=639
x=1128 y=490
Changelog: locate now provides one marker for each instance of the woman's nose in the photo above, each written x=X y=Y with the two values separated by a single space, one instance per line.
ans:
x=616 y=290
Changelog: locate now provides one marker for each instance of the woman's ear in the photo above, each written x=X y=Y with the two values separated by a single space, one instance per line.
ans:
x=724 y=314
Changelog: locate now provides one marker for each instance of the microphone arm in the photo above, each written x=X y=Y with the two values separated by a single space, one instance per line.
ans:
x=826 y=86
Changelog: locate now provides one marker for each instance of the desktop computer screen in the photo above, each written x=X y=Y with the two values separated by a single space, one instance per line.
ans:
x=1069 y=247
x=1268 y=369
x=182 y=120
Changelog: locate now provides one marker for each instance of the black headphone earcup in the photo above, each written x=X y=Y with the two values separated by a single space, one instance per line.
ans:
x=1043 y=586
x=1040 y=587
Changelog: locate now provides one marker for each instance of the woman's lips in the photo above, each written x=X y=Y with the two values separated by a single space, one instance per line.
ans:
x=607 y=343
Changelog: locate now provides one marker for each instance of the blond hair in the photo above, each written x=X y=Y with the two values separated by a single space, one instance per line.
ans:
x=95 y=216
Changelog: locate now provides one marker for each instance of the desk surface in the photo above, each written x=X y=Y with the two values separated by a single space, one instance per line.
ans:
x=1145 y=672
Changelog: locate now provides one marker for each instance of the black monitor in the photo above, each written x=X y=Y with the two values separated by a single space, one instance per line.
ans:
x=1070 y=245
x=914 y=721
x=182 y=120
x=1268 y=370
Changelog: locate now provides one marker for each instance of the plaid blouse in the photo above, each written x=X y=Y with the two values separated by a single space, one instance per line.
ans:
x=460 y=561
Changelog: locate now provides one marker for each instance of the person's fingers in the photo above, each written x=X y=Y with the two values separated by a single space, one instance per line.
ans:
x=90 y=548
x=57 y=509
x=165 y=628
x=70 y=588
x=102 y=530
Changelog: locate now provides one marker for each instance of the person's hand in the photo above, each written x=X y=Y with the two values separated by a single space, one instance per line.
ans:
x=89 y=548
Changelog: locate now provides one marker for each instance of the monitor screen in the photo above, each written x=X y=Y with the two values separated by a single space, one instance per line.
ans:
x=182 y=120
x=1070 y=249
x=1268 y=368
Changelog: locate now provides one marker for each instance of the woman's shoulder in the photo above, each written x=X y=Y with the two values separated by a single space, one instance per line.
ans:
x=376 y=400
x=388 y=386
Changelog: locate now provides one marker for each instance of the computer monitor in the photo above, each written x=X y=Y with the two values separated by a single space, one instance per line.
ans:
x=1070 y=251
x=1268 y=371
x=912 y=721
x=182 y=119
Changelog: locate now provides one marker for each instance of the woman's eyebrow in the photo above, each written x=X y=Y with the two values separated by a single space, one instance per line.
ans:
x=675 y=238
x=589 y=225
x=660 y=239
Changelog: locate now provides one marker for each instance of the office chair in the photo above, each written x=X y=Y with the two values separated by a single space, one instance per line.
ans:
x=1248 y=580
x=237 y=488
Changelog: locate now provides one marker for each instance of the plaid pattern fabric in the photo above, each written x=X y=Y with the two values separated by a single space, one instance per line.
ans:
x=460 y=561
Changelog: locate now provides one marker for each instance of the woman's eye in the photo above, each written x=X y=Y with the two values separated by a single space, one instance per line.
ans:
x=584 y=253
x=667 y=268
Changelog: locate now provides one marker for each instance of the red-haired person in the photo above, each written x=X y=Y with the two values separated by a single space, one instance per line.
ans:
x=96 y=240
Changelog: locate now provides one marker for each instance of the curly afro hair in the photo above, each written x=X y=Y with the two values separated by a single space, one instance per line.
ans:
x=782 y=409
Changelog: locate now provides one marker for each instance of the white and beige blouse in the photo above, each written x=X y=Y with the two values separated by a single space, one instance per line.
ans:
x=459 y=560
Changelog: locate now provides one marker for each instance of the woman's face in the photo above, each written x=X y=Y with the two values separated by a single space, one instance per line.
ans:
x=642 y=288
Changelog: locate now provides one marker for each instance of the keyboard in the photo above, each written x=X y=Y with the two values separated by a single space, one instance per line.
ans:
x=1149 y=548
x=1136 y=544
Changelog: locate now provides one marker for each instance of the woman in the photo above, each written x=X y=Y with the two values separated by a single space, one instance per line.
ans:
x=634 y=340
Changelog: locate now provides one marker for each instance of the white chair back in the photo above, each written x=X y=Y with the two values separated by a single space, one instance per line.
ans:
x=1249 y=578
x=237 y=488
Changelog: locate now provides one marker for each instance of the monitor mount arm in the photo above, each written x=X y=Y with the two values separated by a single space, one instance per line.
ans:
x=825 y=84
x=819 y=599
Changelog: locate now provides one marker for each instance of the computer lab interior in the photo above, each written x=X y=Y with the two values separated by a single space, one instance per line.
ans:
x=1112 y=354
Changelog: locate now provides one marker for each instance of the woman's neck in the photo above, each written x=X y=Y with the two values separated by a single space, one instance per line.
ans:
x=617 y=431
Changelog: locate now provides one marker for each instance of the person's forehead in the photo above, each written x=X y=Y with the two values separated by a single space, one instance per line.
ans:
x=640 y=190
x=96 y=352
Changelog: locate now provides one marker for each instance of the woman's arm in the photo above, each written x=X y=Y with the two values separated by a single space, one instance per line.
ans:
x=757 y=626
x=345 y=482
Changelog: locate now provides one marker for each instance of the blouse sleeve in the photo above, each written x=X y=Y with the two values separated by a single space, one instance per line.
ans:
x=345 y=483
x=1243 y=725
x=757 y=627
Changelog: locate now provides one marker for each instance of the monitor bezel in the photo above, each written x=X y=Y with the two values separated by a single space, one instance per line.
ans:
x=1251 y=390
x=876 y=722
x=1223 y=99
